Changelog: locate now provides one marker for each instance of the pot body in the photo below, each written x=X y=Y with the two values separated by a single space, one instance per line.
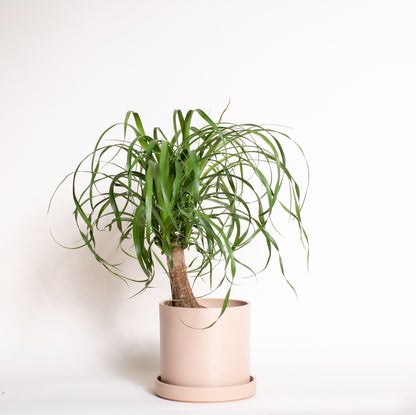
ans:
x=194 y=356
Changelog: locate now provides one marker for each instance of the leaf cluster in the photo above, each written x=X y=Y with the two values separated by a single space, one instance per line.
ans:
x=212 y=188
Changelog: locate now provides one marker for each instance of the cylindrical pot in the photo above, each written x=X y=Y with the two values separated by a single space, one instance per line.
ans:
x=200 y=364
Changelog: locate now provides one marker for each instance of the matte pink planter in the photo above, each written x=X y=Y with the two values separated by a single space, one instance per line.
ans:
x=209 y=365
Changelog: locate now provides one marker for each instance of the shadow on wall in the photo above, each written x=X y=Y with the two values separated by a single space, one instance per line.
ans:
x=138 y=363
x=74 y=281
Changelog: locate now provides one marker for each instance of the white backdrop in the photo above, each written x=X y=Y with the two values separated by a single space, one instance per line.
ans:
x=341 y=74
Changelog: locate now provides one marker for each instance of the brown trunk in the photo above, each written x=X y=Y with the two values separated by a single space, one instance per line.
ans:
x=179 y=282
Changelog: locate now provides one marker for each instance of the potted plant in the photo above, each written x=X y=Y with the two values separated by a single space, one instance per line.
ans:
x=209 y=188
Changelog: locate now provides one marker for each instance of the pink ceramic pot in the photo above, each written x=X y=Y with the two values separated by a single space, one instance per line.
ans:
x=205 y=365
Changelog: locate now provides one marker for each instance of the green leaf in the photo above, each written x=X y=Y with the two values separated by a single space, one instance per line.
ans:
x=149 y=198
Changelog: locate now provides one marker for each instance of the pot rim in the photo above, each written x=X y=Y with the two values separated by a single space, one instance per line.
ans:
x=209 y=304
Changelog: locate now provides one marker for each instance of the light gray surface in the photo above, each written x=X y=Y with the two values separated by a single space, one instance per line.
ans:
x=108 y=395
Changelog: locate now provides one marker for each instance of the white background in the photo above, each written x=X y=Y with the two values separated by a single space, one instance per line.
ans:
x=340 y=73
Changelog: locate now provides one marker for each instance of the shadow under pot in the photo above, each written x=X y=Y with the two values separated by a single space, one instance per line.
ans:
x=199 y=364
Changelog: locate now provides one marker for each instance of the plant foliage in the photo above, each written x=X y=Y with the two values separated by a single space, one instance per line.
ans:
x=212 y=188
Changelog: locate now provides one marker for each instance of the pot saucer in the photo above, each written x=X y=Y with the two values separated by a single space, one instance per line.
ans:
x=205 y=394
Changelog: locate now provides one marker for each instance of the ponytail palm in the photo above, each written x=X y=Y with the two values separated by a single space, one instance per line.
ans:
x=210 y=188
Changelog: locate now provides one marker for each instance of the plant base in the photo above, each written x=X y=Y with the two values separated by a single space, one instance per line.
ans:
x=205 y=394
